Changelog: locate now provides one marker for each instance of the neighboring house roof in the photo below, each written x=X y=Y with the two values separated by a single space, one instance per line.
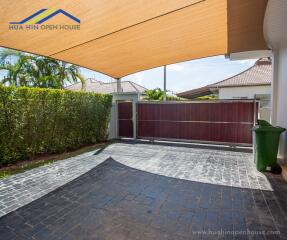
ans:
x=194 y=93
x=257 y=75
x=96 y=86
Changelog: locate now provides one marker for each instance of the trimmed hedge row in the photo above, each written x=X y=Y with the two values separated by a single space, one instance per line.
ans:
x=36 y=121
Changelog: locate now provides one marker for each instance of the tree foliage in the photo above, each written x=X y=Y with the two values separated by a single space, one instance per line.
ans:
x=29 y=70
x=208 y=97
x=154 y=94
x=158 y=95
x=36 y=121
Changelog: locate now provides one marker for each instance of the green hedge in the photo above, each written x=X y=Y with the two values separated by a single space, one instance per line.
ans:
x=36 y=121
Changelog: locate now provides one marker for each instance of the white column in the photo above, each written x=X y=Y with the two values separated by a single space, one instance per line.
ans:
x=275 y=35
x=279 y=98
x=274 y=86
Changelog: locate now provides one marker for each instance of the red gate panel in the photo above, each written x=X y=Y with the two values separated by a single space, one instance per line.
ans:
x=229 y=122
x=125 y=122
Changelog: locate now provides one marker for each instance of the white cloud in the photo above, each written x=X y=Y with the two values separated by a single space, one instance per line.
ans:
x=248 y=61
x=136 y=77
x=175 y=67
x=187 y=75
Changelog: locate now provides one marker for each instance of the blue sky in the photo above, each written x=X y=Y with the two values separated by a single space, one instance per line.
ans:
x=184 y=76
x=181 y=76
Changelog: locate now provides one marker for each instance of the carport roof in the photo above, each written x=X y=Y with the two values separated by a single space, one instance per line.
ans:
x=119 y=38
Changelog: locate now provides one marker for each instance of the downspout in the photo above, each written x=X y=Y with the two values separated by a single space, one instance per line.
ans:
x=164 y=82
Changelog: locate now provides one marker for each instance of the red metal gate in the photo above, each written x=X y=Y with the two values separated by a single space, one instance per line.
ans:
x=125 y=122
x=213 y=121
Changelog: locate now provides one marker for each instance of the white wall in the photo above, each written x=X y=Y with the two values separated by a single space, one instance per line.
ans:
x=113 y=134
x=239 y=92
x=275 y=35
x=279 y=115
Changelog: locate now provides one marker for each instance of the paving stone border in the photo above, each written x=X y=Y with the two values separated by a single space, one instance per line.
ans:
x=23 y=188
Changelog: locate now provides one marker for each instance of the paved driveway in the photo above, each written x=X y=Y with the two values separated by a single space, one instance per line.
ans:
x=141 y=191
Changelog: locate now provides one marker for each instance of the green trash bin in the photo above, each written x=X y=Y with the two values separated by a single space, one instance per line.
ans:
x=267 y=141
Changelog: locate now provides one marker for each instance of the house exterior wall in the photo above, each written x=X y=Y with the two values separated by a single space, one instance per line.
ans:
x=243 y=92
x=276 y=38
x=279 y=115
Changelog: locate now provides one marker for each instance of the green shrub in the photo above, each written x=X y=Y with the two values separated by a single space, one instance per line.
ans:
x=36 y=121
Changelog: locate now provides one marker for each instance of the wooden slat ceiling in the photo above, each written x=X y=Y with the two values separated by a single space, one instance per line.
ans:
x=120 y=37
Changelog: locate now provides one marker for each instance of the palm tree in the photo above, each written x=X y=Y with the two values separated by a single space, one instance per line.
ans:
x=37 y=71
x=43 y=71
x=70 y=73
x=16 y=70
x=154 y=94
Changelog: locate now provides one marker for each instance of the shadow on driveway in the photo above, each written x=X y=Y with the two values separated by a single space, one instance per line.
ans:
x=114 y=202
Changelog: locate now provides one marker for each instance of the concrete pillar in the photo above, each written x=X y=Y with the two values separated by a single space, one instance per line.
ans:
x=113 y=125
x=279 y=99
x=275 y=35
x=119 y=85
x=274 y=86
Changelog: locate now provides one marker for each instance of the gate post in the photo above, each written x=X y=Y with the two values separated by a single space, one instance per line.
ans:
x=135 y=117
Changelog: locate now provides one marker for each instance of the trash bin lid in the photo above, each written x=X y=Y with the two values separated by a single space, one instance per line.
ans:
x=268 y=129
x=262 y=122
